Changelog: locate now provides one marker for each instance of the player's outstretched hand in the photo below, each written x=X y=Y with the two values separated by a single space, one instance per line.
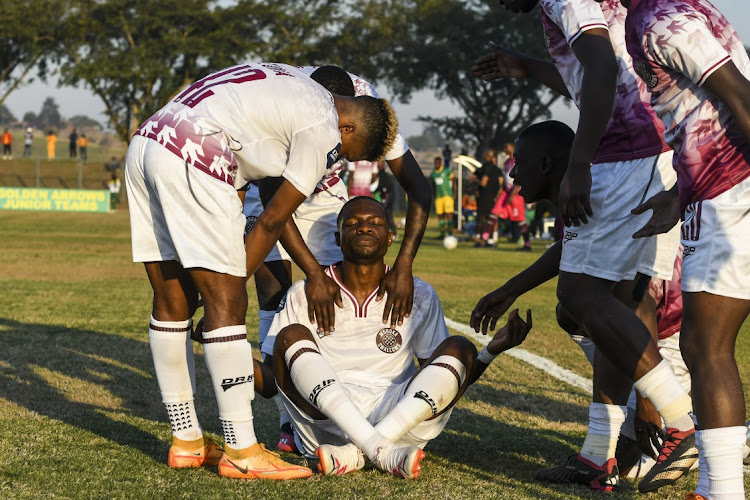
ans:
x=398 y=288
x=648 y=429
x=575 y=195
x=512 y=334
x=500 y=63
x=489 y=309
x=322 y=293
x=666 y=207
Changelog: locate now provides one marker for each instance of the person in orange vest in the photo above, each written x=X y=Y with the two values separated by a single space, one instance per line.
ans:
x=83 y=144
x=51 y=141
x=7 y=145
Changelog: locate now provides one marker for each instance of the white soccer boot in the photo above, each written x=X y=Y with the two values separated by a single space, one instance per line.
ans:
x=339 y=460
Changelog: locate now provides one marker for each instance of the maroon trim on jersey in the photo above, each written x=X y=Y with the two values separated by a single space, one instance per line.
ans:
x=359 y=311
x=713 y=68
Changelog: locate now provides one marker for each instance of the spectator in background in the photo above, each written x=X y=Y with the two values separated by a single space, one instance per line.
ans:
x=28 y=139
x=73 y=145
x=361 y=175
x=469 y=209
x=447 y=155
x=385 y=194
x=7 y=145
x=114 y=186
x=508 y=149
x=113 y=165
x=442 y=180
x=489 y=183
x=51 y=143
x=83 y=144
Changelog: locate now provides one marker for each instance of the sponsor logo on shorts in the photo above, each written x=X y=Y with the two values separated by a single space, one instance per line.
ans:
x=388 y=340
x=313 y=397
x=687 y=251
x=646 y=73
x=228 y=383
x=427 y=399
x=691 y=228
x=569 y=235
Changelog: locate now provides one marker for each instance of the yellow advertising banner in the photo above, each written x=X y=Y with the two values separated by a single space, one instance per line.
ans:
x=54 y=200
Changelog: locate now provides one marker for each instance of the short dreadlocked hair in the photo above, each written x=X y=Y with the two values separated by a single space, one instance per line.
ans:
x=335 y=80
x=379 y=126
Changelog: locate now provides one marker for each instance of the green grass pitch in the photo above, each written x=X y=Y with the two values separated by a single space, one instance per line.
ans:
x=81 y=417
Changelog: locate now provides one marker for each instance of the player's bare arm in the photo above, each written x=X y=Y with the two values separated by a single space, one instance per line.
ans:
x=398 y=284
x=322 y=292
x=666 y=213
x=270 y=224
x=511 y=335
x=503 y=62
x=492 y=306
x=729 y=85
x=594 y=51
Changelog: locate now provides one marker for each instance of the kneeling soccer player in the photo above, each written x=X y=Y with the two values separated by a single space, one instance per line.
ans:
x=356 y=392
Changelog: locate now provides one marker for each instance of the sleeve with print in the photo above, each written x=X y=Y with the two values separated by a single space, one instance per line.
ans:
x=293 y=310
x=429 y=329
x=574 y=17
x=313 y=150
x=684 y=42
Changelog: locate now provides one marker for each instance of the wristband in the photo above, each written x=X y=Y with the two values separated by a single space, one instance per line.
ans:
x=486 y=356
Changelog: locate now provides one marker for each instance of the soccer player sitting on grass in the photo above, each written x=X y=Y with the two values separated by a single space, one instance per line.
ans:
x=357 y=392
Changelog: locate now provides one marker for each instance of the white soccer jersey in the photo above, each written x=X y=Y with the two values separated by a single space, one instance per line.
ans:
x=363 y=351
x=249 y=122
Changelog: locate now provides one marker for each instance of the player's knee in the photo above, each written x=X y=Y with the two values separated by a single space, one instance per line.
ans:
x=566 y=321
x=460 y=348
x=287 y=337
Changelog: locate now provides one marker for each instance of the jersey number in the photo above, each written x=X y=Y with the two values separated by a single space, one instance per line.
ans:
x=201 y=89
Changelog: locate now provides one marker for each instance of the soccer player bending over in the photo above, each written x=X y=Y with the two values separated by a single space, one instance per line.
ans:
x=184 y=167
x=357 y=392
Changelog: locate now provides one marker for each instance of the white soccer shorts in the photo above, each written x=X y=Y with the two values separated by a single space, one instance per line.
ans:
x=605 y=247
x=179 y=213
x=716 y=242
x=315 y=219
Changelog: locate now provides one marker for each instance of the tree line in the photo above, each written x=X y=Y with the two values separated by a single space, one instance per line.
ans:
x=135 y=55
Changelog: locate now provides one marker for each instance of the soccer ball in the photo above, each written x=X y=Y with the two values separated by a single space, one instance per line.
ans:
x=450 y=242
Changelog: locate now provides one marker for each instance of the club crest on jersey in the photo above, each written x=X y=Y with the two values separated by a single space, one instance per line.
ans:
x=388 y=340
x=646 y=73
x=333 y=156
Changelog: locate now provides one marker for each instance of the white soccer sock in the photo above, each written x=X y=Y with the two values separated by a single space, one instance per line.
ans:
x=720 y=453
x=174 y=363
x=265 y=318
x=665 y=392
x=604 y=429
x=284 y=417
x=586 y=345
x=229 y=359
x=315 y=379
x=429 y=393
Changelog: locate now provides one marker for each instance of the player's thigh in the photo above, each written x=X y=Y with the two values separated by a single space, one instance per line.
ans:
x=604 y=247
x=202 y=214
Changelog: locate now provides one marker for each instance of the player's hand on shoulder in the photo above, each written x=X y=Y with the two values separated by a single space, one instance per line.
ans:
x=575 y=195
x=398 y=289
x=665 y=216
x=512 y=334
x=490 y=308
x=322 y=293
x=500 y=63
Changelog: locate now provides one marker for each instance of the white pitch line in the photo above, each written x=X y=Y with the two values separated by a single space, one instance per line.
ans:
x=534 y=360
